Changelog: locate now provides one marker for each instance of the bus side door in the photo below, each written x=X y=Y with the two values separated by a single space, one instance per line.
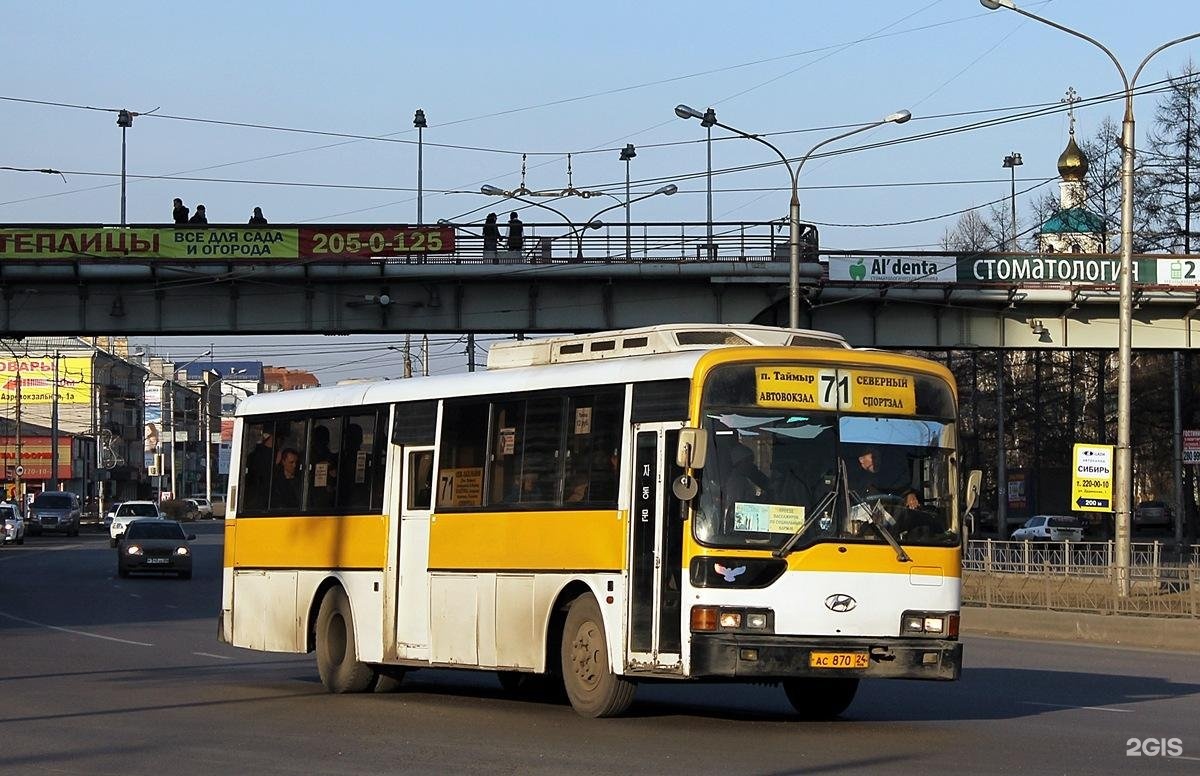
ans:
x=655 y=550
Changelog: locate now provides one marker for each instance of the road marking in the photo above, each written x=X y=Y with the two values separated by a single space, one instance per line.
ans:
x=75 y=632
x=1070 y=706
x=1182 y=757
x=209 y=654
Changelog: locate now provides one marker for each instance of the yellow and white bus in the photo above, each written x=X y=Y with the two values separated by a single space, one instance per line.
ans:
x=683 y=502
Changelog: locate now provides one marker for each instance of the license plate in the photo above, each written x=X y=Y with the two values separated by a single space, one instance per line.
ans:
x=158 y=560
x=838 y=660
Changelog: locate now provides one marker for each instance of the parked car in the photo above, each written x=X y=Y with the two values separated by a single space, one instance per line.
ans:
x=218 y=506
x=154 y=544
x=1050 y=528
x=126 y=514
x=1152 y=514
x=203 y=507
x=12 y=526
x=54 y=510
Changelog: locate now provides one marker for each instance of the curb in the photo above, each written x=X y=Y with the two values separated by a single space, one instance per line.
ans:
x=1175 y=634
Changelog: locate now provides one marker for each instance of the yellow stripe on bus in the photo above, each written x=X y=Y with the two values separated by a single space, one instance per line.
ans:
x=528 y=541
x=347 y=541
x=866 y=558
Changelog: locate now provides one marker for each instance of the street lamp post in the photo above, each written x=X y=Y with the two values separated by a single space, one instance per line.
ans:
x=124 y=121
x=899 y=117
x=1123 y=470
x=627 y=153
x=420 y=124
x=1012 y=162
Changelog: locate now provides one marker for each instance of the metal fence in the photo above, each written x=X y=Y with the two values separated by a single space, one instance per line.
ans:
x=1081 y=576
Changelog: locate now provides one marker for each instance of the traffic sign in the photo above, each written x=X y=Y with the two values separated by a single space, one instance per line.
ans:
x=1092 y=478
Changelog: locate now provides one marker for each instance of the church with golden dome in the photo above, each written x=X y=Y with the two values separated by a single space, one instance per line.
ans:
x=1074 y=228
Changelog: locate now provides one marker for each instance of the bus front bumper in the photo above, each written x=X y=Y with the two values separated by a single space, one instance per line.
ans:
x=780 y=657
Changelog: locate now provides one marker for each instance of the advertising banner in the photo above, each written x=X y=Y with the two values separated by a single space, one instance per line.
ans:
x=37 y=378
x=1191 y=445
x=222 y=243
x=894 y=269
x=37 y=457
x=1092 y=478
x=1051 y=269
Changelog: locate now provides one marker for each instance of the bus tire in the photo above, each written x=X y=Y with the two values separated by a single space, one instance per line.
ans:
x=818 y=699
x=337 y=655
x=592 y=687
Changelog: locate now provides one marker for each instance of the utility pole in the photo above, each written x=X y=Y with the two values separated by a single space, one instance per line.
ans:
x=408 y=355
x=18 y=470
x=54 y=429
x=470 y=352
x=425 y=353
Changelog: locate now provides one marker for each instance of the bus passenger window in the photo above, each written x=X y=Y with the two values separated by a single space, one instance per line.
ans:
x=258 y=459
x=463 y=456
x=324 y=444
x=355 y=463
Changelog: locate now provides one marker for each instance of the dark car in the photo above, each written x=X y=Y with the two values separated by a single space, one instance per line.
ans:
x=54 y=510
x=155 y=545
x=1152 y=514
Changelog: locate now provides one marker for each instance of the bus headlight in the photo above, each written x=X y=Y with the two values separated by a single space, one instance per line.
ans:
x=727 y=618
x=133 y=549
x=943 y=624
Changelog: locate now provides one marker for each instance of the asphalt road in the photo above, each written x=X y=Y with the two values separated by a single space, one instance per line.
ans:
x=100 y=675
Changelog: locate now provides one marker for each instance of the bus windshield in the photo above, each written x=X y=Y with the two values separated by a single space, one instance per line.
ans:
x=774 y=472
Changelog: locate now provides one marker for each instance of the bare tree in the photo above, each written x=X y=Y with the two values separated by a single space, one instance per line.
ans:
x=976 y=233
x=1173 y=163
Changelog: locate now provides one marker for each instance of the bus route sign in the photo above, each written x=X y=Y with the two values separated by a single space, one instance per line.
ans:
x=827 y=388
x=1092 y=478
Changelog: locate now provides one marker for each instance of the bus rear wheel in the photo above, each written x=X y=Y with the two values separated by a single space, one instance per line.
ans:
x=592 y=687
x=337 y=660
x=817 y=699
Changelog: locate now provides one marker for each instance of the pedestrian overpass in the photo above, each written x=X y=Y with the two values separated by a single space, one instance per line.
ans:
x=89 y=280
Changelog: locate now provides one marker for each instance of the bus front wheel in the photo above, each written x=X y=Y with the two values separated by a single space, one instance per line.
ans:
x=817 y=699
x=592 y=687
x=337 y=660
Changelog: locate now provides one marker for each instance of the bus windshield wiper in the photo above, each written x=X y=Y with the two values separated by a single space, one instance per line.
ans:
x=879 y=520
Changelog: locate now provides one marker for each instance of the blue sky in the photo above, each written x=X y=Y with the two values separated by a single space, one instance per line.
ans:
x=546 y=79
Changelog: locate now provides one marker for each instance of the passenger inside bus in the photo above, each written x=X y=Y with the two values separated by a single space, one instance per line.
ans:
x=285 y=486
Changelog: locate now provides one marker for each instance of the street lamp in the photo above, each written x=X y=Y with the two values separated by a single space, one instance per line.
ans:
x=1124 y=463
x=124 y=121
x=627 y=153
x=898 y=117
x=707 y=119
x=420 y=123
x=1012 y=162
x=495 y=191
x=578 y=229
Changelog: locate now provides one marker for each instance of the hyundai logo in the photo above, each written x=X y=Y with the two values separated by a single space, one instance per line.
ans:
x=840 y=602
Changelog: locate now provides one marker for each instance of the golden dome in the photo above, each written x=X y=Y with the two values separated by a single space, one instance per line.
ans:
x=1072 y=165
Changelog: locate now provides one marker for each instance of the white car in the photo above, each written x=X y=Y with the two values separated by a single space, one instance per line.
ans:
x=202 y=506
x=12 y=527
x=1049 y=528
x=126 y=513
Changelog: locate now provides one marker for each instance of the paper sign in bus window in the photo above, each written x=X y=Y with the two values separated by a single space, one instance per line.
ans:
x=767 y=518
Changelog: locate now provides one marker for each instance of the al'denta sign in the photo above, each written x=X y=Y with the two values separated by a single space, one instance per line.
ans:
x=1092 y=478
x=894 y=269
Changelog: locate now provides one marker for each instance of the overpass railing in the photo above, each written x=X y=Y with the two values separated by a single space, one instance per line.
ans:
x=553 y=243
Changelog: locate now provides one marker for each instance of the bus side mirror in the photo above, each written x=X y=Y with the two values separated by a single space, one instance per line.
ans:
x=974 y=479
x=693 y=448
